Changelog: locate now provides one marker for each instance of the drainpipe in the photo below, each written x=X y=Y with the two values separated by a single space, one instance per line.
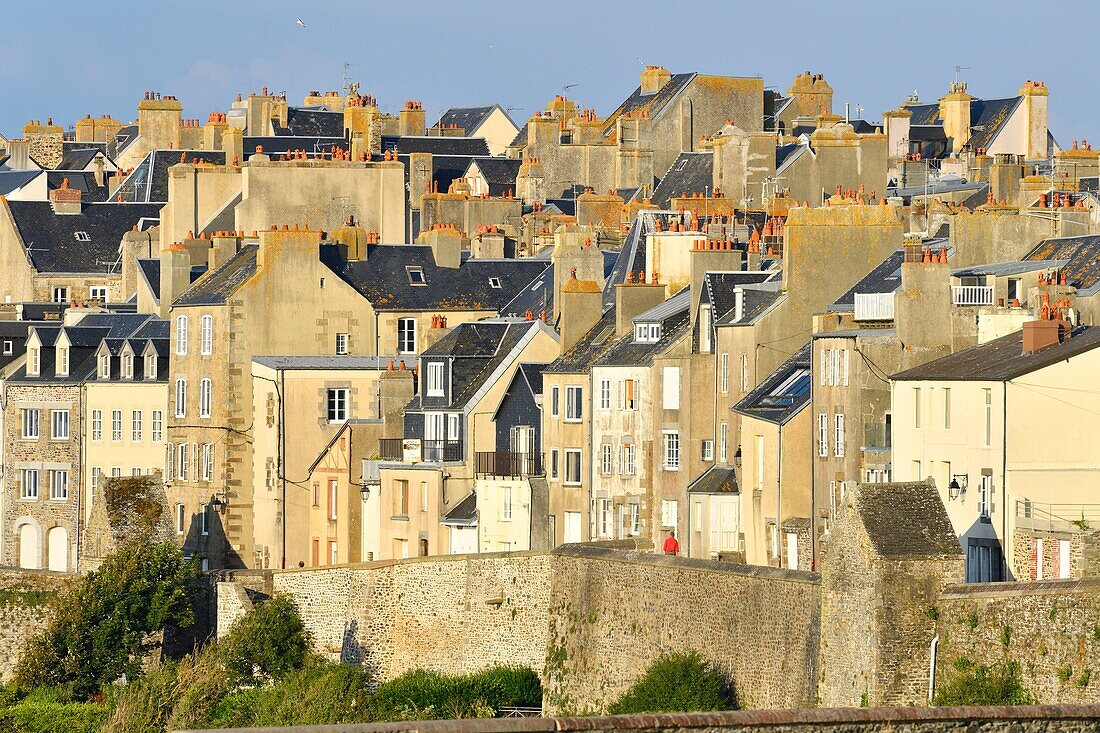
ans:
x=933 y=653
x=282 y=453
x=1005 y=544
x=779 y=496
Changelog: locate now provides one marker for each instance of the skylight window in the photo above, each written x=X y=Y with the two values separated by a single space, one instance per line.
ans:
x=494 y=282
x=416 y=276
x=82 y=236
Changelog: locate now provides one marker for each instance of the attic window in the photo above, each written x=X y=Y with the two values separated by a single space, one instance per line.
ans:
x=494 y=282
x=82 y=236
x=416 y=275
x=683 y=164
x=647 y=333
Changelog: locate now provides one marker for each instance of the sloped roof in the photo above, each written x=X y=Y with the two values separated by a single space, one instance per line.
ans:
x=149 y=180
x=689 y=173
x=987 y=118
x=464 y=513
x=498 y=171
x=755 y=303
x=83 y=181
x=716 y=480
x=313 y=121
x=721 y=288
x=652 y=104
x=217 y=286
x=51 y=239
x=580 y=357
x=276 y=145
x=405 y=144
x=468 y=118
x=1001 y=359
x=884 y=278
x=783 y=393
x=77 y=158
x=1082 y=255
x=905 y=520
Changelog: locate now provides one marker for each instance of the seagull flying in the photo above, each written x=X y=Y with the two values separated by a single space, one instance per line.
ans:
x=300 y=22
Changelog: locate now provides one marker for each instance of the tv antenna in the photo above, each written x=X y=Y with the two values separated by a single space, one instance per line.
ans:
x=957 y=70
x=346 y=86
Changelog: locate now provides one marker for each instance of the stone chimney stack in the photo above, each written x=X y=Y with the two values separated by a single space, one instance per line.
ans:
x=654 y=79
x=1036 y=99
x=160 y=121
x=45 y=142
x=581 y=309
x=411 y=120
x=955 y=111
x=446 y=244
x=573 y=249
x=632 y=298
x=175 y=275
x=99 y=172
x=65 y=200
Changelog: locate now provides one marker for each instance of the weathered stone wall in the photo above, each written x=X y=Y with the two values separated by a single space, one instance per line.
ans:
x=449 y=613
x=1051 y=628
x=613 y=612
x=24 y=598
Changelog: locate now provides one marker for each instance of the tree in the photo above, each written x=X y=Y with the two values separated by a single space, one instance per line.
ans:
x=107 y=621
x=266 y=643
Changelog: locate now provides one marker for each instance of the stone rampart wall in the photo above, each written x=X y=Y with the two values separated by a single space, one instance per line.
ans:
x=25 y=596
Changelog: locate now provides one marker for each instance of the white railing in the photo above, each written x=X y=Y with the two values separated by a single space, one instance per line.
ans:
x=874 y=307
x=972 y=294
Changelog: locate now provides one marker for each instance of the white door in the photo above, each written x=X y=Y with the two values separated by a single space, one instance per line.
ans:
x=792 y=550
x=57 y=541
x=30 y=553
x=1063 y=558
x=572 y=527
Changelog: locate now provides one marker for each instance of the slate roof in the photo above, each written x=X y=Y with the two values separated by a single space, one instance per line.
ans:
x=150 y=270
x=383 y=279
x=787 y=153
x=1002 y=359
x=468 y=118
x=405 y=144
x=83 y=181
x=987 y=118
x=313 y=121
x=716 y=480
x=675 y=319
x=532 y=373
x=1082 y=255
x=653 y=104
x=498 y=171
x=580 y=357
x=85 y=340
x=51 y=239
x=756 y=302
x=75 y=159
x=149 y=180
x=276 y=145
x=690 y=173
x=217 y=286
x=884 y=278
x=905 y=520
x=464 y=513
x=1011 y=267
x=783 y=393
x=13 y=180
x=720 y=288
x=121 y=140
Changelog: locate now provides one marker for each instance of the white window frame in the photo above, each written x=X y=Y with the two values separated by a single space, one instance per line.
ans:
x=670 y=450
x=31 y=419
x=136 y=426
x=205 y=388
x=987 y=432
x=744 y=372
x=181 y=518
x=151 y=366
x=59 y=485
x=61 y=294
x=724 y=373
x=607 y=459
x=406 y=335
x=670 y=513
x=579 y=464
x=635 y=520
x=62 y=361
x=157 y=426
x=116 y=426
x=206 y=335
x=574 y=405
x=336 y=404
x=838 y=436
x=181 y=335
x=723 y=442
x=434 y=377
x=99 y=292
x=204 y=525
x=706 y=342
x=207 y=461
x=555 y=401
x=554 y=458
x=626 y=460
x=183 y=460
x=605 y=394
x=707 y=451
x=916 y=408
x=333 y=498
x=181 y=397
x=97 y=425
x=822 y=435
x=341 y=344
x=506 y=504
x=59 y=424
x=28 y=484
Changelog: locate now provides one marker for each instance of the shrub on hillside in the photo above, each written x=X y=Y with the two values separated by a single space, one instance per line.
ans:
x=106 y=622
x=977 y=684
x=422 y=694
x=45 y=711
x=266 y=643
x=678 y=683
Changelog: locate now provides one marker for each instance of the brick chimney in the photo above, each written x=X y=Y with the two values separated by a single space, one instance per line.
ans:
x=654 y=78
x=65 y=200
x=955 y=112
x=1039 y=335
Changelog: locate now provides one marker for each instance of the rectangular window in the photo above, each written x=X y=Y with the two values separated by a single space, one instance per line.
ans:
x=169 y=462
x=918 y=474
x=337 y=405
x=30 y=424
x=98 y=292
x=204 y=398
x=181 y=518
x=333 y=498
x=204 y=526
x=401 y=498
x=127 y=366
x=987 y=399
x=206 y=335
x=9 y=348
x=916 y=408
x=844 y=369
x=59 y=485
x=151 y=366
x=93 y=486
x=759 y=462
x=555 y=393
x=744 y=373
x=207 y=461
x=635 y=520
x=97 y=425
x=630 y=394
x=707 y=453
x=424 y=496
x=183 y=461
x=61 y=295
x=116 y=472
x=33 y=359
x=627 y=459
x=946 y=408
x=1064 y=570
x=607 y=459
x=704 y=329
x=838 y=438
x=603 y=517
x=671 y=451
x=506 y=504
x=573 y=404
x=671 y=392
x=723 y=440
x=822 y=434
x=724 y=373
x=605 y=394
x=181 y=397
x=28 y=483
x=553 y=464
x=572 y=467
x=333 y=553
x=435 y=379
x=158 y=426
x=60 y=426
x=825 y=362
x=135 y=426
x=406 y=335
x=181 y=335
x=670 y=513
x=985 y=496
x=116 y=426
x=62 y=361
x=341 y=343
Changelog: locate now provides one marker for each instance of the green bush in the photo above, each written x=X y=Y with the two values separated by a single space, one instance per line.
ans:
x=266 y=643
x=107 y=621
x=44 y=711
x=678 y=683
x=981 y=685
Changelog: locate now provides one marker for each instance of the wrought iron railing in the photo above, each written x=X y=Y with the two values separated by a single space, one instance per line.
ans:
x=508 y=464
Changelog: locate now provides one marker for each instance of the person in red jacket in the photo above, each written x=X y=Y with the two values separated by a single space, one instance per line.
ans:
x=672 y=547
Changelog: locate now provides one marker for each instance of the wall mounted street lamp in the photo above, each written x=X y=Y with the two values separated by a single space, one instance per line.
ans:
x=957 y=487
x=217 y=504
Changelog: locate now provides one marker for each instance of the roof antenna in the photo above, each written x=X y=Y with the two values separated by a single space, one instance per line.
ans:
x=957 y=70
x=346 y=86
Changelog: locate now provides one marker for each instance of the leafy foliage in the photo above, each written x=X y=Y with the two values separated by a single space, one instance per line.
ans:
x=421 y=695
x=267 y=643
x=678 y=683
x=45 y=711
x=105 y=623
x=981 y=685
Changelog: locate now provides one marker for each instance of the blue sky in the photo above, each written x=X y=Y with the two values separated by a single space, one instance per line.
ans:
x=70 y=57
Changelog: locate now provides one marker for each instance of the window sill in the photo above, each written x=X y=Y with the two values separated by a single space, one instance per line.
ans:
x=400 y=517
x=572 y=483
x=28 y=499
x=573 y=420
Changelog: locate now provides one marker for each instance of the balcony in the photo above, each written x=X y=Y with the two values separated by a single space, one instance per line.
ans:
x=963 y=295
x=506 y=464
x=415 y=450
x=1057 y=517
x=874 y=307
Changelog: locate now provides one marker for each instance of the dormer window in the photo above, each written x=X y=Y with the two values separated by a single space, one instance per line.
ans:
x=416 y=275
x=105 y=366
x=435 y=379
x=151 y=366
x=494 y=282
x=127 y=366
x=62 y=361
x=82 y=236
x=647 y=333
x=34 y=361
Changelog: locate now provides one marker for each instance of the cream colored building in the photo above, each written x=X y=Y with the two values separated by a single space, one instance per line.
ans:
x=1007 y=434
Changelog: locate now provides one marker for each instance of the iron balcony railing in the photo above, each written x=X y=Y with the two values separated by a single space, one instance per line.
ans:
x=1057 y=517
x=508 y=464
x=415 y=450
x=963 y=295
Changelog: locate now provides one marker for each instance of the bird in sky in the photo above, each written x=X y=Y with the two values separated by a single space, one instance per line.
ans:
x=300 y=22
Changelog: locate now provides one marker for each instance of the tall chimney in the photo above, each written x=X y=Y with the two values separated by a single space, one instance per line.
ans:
x=654 y=78
x=97 y=164
x=633 y=299
x=65 y=200
x=175 y=275
x=581 y=309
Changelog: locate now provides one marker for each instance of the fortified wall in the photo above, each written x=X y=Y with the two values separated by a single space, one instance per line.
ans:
x=25 y=596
